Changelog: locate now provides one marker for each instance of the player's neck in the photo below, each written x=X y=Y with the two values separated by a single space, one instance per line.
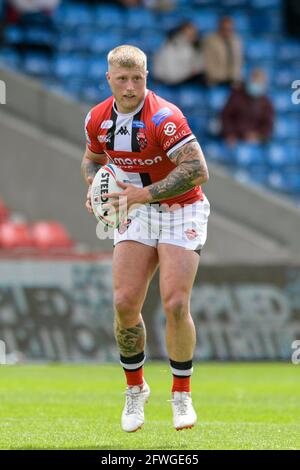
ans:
x=122 y=110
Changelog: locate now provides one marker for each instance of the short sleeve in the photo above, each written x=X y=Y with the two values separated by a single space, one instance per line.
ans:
x=91 y=136
x=171 y=129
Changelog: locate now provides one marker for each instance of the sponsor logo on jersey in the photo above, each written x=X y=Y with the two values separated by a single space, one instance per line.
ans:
x=107 y=124
x=136 y=161
x=161 y=115
x=191 y=233
x=141 y=139
x=174 y=139
x=123 y=131
x=138 y=124
x=170 y=128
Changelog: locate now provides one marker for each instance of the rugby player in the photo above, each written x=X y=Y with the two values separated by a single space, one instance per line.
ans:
x=150 y=139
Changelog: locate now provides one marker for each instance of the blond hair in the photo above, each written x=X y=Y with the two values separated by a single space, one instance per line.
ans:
x=127 y=56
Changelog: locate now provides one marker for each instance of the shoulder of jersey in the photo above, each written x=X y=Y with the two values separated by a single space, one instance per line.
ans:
x=102 y=107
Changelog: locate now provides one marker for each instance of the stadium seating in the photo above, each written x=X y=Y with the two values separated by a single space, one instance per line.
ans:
x=50 y=234
x=79 y=35
x=15 y=235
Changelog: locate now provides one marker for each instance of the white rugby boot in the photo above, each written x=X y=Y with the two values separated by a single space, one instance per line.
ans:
x=184 y=415
x=133 y=412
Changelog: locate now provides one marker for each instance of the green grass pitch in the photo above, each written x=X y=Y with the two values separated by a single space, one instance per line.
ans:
x=239 y=406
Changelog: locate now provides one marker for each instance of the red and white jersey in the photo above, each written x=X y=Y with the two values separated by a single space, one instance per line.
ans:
x=141 y=142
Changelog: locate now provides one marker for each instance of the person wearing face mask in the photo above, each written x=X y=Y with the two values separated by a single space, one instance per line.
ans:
x=248 y=114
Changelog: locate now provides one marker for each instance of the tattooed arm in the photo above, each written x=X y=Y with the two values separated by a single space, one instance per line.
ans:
x=191 y=170
x=91 y=163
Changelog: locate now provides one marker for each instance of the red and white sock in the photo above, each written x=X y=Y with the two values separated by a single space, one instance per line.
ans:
x=182 y=372
x=133 y=368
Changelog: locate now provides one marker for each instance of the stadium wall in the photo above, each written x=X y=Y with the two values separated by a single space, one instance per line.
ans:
x=61 y=310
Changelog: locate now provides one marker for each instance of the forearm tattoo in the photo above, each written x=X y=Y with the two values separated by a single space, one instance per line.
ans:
x=131 y=341
x=89 y=168
x=190 y=171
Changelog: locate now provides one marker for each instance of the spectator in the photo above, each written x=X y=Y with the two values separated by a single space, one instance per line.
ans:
x=248 y=114
x=223 y=55
x=23 y=7
x=180 y=59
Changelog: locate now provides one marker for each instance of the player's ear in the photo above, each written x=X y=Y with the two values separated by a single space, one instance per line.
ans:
x=107 y=76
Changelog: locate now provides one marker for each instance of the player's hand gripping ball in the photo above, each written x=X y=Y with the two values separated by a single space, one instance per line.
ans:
x=105 y=182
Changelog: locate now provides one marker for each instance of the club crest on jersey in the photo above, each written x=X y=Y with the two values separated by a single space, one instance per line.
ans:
x=124 y=226
x=107 y=124
x=161 y=115
x=191 y=233
x=123 y=131
x=141 y=139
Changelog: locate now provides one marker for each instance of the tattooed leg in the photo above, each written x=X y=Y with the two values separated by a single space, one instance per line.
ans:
x=131 y=341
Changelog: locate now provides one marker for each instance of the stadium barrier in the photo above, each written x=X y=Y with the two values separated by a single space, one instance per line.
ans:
x=61 y=310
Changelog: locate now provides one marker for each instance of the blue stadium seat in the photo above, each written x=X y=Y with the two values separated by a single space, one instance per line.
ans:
x=103 y=42
x=191 y=97
x=247 y=155
x=204 y=20
x=139 y=19
x=265 y=3
x=233 y=3
x=71 y=15
x=282 y=101
x=67 y=65
x=35 y=63
x=285 y=181
x=109 y=16
x=9 y=57
x=285 y=74
x=198 y=124
x=37 y=35
x=219 y=152
x=97 y=67
x=167 y=93
x=166 y=21
x=282 y=156
x=217 y=97
x=286 y=127
x=289 y=50
x=13 y=35
x=197 y=3
x=264 y=22
x=254 y=176
x=258 y=49
x=241 y=22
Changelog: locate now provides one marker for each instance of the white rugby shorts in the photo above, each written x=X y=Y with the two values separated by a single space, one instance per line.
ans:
x=153 y=223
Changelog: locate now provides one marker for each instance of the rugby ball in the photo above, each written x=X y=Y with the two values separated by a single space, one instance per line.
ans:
x=105 y=182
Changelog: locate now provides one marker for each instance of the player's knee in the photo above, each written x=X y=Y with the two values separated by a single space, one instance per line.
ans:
x=125 y=306
x=176 y=307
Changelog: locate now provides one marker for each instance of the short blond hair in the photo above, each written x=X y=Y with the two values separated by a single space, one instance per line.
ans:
x=127 y=56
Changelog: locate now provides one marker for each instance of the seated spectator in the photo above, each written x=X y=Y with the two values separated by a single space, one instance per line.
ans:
x=248 y=114
x=180 y=59
x=223 y=55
